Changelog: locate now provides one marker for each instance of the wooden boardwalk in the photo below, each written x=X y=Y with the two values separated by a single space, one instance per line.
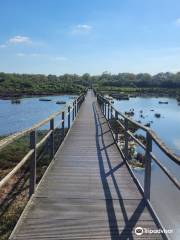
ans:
x=87 y=192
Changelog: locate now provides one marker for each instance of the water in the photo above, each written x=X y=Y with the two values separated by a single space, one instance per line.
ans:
x=16 y=117
x=167 y=126
x=165 y=197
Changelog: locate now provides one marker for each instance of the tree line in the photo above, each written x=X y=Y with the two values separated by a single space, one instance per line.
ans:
x=12 y=83
x=141 y=80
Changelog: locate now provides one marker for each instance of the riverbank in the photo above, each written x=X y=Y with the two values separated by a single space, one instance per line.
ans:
x=134 y=92
x=20 y=96
x=13 y=95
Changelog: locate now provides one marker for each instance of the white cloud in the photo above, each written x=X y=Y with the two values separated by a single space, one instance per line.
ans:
x=59 y=58
x=46 y=56
x=28 y=54
x=178 y=22
x=35 y=54
x=82 y=28
x=3 y=46
x=19 y=40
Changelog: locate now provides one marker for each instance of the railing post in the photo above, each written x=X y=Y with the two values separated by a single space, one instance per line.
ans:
x=111 y=112
x=103 y=108
x=32 y=182
x=147 y=176
x=52 y=137
x=126 y=140
x=80 y=101
x=73 y=113
x=75 y=107
x=78 y=105
x=63 y=119
x=69 y=117
x=108 y=110
x=116 y=131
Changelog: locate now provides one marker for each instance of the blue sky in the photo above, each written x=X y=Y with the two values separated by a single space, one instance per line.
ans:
x=78 y=36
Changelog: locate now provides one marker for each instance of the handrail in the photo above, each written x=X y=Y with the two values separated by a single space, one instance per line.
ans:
x=164 y=148
x=43 y=140
x=16 y=168
x=173 y=179
x=11 y=138
x=154 y=136
x=151 y=137
x=34 y=146
x=136 y=140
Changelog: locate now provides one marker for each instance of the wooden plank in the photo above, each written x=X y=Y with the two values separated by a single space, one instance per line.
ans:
x=88 y=192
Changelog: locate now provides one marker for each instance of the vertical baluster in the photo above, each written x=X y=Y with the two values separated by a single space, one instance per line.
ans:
x=75 y=107
x=52 y=138
x=63 y=122
x=32 y=183
x=80 y=101
x=126 y=138
x=116 y=130
x=108 y=110
x=69 y=117
x=147 y=176
x=78 y=106
x=73 y=113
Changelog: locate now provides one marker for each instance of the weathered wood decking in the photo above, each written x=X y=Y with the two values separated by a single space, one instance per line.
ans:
x=88 y=192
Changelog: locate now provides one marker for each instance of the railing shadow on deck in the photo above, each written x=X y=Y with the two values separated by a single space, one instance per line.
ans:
x=127 y=232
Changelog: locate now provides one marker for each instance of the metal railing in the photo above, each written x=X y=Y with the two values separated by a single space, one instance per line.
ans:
x=69 y=111
x=111 y=113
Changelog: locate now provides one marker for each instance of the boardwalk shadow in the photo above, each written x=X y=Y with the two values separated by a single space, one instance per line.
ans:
x=127 y=232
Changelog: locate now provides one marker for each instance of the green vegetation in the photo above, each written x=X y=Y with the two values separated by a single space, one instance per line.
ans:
x=25 y=84
x=39 y=84
x=12 y=154
x=161 y=84
x=142 y=80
